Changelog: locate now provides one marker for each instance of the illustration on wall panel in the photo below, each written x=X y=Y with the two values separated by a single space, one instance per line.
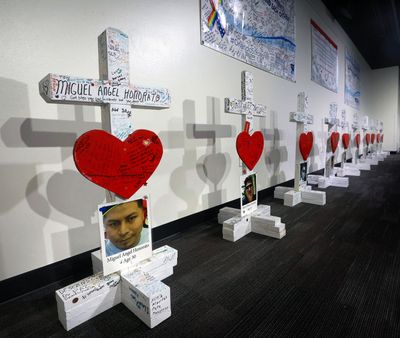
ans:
x=260 y=33
x=352 y=82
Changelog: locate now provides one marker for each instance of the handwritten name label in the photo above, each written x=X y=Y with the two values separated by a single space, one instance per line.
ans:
x=54 y=88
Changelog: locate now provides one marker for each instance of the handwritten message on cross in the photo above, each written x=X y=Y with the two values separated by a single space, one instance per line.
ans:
x=134 y=162
x=112 y=91
x=305 y=138
x=251 y=149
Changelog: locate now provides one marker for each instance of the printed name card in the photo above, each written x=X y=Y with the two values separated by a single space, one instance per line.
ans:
x=54 y=88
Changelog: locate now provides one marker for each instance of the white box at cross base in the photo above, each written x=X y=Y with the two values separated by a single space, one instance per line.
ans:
x=325 y=182
x=306 y=195
x=260 y=221
x=148 y=298
x=347 y=171
x=85 y=299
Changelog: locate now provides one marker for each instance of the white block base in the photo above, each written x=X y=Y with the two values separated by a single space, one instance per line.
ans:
x=306 y=195
x=83 y=300
x=148 y=298
x=371 y=161
x=347 y=171
x=260 y=221
x=150 y=301
x=325 y=182
x=359 y=166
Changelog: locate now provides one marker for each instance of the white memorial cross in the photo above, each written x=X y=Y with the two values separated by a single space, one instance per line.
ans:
x=355 y=151
x=355 y=126
x=329 y=178
x=365 y=128
x=259 y=221
x=302 y=119
x=301 y=192
x=116 y=98
x=346 y=170
x=332 y=121
x=246 y=106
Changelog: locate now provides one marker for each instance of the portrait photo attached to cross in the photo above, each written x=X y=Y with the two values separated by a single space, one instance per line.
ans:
x=112 y=91
x=249 y=144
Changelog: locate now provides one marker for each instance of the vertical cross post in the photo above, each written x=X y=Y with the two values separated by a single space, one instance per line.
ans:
x=355 y=126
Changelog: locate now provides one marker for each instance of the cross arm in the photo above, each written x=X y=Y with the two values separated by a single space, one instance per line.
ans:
x=332 y=121
x=55 y=88
x=236 y=106
x=301 y=117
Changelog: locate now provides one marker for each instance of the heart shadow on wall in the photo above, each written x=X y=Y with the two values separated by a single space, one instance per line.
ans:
x=71 y=194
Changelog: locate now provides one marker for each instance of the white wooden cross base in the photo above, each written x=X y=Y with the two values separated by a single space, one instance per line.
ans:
x=147 y=297
x=371 y=160
x=260 y=222
x=85 y=299
x=360 y=165
x=347 y=171
x=331 y=181
x=305 y=195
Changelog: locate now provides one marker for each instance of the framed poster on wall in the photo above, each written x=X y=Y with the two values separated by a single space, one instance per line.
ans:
x=352 y=82
x=260 y=33
x=324 y=59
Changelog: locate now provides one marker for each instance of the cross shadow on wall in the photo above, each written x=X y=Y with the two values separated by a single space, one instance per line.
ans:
x=196 y=171
x=32 y=145
x=214 y=166
x=274 y=152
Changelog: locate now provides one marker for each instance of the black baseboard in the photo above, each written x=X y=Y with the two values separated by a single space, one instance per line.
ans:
x=80 y=266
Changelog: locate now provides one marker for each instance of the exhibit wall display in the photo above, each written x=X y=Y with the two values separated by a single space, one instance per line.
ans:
x=260 y=33
x=352 y=90
x=324 y=58
x=199 y=168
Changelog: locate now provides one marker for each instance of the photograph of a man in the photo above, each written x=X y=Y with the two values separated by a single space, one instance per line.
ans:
x=125 y=225
x=249 y=189
x=303 y=172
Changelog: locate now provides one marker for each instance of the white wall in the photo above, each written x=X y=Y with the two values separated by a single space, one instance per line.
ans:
x=385 y=104
x=47 y=207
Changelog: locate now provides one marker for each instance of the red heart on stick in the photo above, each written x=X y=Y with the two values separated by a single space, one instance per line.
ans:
x=346 y=140
x=357 y=140
x=119 y=166
x=378 y=138
x=372 y=138
x=306 y=143
x=334 y=140
x=367 y=139
x=250 y=147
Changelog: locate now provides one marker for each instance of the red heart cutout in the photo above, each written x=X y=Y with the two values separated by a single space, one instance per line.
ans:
x=346 y=140
x=250 y=148
x=367 y=139
x=372 y=138
x=334 y=140
x=378 y=138
x=358 y=140
x=119 y=166
x=306 y=143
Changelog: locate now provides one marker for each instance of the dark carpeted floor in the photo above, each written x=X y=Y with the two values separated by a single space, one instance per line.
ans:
x=336 y=273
